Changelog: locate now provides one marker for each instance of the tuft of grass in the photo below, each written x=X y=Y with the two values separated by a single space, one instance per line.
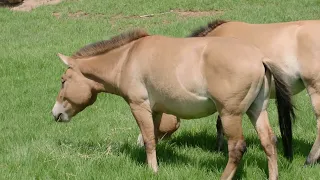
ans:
x=100 y=142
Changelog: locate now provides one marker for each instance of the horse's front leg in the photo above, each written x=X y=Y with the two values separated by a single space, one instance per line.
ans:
x=236 y=144
x=143 y=115
x=164 y=126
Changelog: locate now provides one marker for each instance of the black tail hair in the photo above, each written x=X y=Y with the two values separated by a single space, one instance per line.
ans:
x=285 y=108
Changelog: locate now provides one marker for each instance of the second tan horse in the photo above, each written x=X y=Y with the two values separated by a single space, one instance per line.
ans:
x=294 y=47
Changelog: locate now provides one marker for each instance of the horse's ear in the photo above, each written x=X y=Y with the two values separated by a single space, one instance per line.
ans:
x=66 y=59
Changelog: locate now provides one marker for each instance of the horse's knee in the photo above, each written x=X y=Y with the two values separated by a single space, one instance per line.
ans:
x=169 y=124
x=269 y=144
x=236 y=150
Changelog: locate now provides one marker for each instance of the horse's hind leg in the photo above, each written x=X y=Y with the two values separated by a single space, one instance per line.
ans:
x=268 y=142
x=259 y=118
x=236 y=145
x=164 y=125
x=314 y=92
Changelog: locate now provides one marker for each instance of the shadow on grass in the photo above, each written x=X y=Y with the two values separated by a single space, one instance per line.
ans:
x=166 y=151
x=203 y=140
x=300 y=147
x=207 y=142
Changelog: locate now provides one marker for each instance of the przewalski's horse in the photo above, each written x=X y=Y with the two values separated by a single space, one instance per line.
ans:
x=186 y=77
x=294 y=47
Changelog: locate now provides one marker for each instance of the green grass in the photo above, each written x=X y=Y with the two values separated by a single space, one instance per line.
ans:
x=100 y=142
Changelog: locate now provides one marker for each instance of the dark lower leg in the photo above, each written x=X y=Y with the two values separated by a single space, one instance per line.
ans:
x=220 y=138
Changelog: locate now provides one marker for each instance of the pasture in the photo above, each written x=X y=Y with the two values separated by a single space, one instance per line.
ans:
x=100 y=142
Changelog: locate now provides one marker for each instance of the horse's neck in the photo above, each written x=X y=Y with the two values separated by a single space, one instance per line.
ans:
x=105 y=69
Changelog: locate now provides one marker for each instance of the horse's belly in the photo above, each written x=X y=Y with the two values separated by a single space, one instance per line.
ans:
x=187 y=109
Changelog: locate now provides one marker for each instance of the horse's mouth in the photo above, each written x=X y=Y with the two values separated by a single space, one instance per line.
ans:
x=58 y=119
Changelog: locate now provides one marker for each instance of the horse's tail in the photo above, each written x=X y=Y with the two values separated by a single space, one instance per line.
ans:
x=285 y=107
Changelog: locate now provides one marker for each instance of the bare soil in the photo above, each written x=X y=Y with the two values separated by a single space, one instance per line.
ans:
x=27 y=5
x=197 y=13
x=181 y=13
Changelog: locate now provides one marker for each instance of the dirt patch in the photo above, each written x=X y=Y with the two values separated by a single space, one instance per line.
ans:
x=197 y=13
x=56 y=14
x=76 y=15
x=178 y=12
x=115 y=18
x=28 y=5
x=181 y=13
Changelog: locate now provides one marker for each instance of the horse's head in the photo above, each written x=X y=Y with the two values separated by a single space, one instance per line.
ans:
x=77 y=92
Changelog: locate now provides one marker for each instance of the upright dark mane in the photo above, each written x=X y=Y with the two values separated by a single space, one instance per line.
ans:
x=204 y=30
x=108 y=45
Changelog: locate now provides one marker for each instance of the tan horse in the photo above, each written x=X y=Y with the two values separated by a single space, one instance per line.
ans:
x=186 y=77
x=292 y=46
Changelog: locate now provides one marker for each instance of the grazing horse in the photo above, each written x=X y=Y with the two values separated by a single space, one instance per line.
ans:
x=185 y=77
x=294 y=47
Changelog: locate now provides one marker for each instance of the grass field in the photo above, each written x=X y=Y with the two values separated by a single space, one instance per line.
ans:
x=100 y=143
